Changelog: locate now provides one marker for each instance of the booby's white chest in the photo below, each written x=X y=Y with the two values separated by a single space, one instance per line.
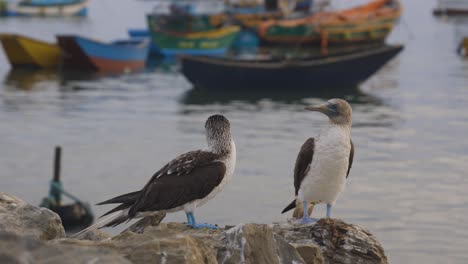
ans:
x=327 y=174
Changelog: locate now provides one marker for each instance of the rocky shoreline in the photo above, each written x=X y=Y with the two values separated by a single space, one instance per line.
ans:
x=30 y=234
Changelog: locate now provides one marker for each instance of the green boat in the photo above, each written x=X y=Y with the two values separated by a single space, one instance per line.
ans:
x=186 y=22
x=212 y=42
x=371 y=22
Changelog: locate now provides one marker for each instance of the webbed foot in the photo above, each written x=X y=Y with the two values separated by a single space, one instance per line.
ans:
x=308 y=220
x=209 y=226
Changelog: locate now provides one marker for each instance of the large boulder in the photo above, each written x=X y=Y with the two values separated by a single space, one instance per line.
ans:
x=339 y=242
x=177 y=243
x=25 y=250
x=21 y=218
x=29 y=234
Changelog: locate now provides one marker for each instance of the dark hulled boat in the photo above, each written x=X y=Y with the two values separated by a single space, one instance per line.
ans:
x=345 y=69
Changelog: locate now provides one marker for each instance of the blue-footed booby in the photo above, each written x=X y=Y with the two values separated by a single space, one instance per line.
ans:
x=185 y=183
x=323 y=163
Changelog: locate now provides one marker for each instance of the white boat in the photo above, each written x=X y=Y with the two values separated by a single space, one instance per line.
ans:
x=47 y=8
x=451 y=7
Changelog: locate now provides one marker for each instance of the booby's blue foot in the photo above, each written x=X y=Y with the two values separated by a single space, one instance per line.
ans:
x=305 y=218
x=193 y=224
x=209 y=226
x=329 y=207
x=308 y=220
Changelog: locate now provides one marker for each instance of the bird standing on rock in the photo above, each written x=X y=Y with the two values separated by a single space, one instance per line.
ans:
x=323 y=163
x=185 y=183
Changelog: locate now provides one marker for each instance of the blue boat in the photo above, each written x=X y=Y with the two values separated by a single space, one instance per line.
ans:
x=117 y=56
x=141 y=33
x=45 y=8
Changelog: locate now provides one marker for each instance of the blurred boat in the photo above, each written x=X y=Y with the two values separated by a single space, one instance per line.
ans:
x=302 y=73
x=463 y=47
x=187 y=22
x=143 y=33
x=46 y=8
x=371 y=22
x=117 y=56
x=451 y=7
x=212 y=42
x=22 y=51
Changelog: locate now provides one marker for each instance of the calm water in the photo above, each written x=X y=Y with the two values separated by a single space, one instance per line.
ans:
x=408 y=184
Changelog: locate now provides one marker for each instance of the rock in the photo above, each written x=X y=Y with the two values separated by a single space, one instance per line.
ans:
x=17 y=249
x=339 y=242
x=18 y=217
x=94 y=235
x=29 y=234
x=311 y=254
x=166 y=243
x=151 y=220
x=256 y=243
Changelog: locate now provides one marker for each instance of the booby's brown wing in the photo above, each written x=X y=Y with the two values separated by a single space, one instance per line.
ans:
x=303 y=162
x=351 y=158
x=302 y=167
x=191 y=176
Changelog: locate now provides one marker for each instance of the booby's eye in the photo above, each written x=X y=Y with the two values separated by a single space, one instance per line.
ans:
x=332 y=107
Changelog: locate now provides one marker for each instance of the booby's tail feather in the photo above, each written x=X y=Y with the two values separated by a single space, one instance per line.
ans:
x=125 y=198
x=118 y=220
x=111 y=220
x=291 y=206
x=117 y=208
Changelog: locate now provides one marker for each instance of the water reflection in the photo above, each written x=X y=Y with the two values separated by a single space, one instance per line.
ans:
x=201 y=96
x=29 y=79
x=34 y=79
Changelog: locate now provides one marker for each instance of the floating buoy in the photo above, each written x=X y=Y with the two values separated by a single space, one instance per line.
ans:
x=74 y=216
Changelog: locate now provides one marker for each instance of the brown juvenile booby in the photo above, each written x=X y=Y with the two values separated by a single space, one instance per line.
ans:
x=185 y=183
x=323 y=163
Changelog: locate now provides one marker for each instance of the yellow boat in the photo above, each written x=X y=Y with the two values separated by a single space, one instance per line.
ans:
x=463 y=46
x=26 y=52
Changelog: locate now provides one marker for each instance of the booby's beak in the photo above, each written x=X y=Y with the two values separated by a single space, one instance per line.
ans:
x=328 y=109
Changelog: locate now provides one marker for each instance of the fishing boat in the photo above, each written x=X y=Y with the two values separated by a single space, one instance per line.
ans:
x=451 y=7
x=301 y=73
x=371 y=22
x=462 y=48
x=47 y=8
x=117 y=56
x=22 y=51
x=143 y=33
x=212 y=42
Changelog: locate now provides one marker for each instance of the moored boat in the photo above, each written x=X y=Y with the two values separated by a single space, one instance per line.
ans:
x=212 y=42
x=302 y=73
x=451 y=7
x=23 y=51
x=47 y=8
x=371 y=22
x=117 y=56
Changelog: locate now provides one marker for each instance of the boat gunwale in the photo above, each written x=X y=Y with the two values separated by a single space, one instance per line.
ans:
x=25 y=4
x=269 y=64
x=210 y=34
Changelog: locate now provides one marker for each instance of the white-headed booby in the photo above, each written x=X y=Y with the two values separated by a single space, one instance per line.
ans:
x=187 y=182
x=323 y=163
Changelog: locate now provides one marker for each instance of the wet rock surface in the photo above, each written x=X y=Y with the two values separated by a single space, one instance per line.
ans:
x=29 y=234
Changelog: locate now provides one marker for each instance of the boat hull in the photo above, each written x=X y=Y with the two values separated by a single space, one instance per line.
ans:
x=327 y=72
x=451 y=7
x=26 y=52
x=214 y=42
x=78 y=8
x=88 y=54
